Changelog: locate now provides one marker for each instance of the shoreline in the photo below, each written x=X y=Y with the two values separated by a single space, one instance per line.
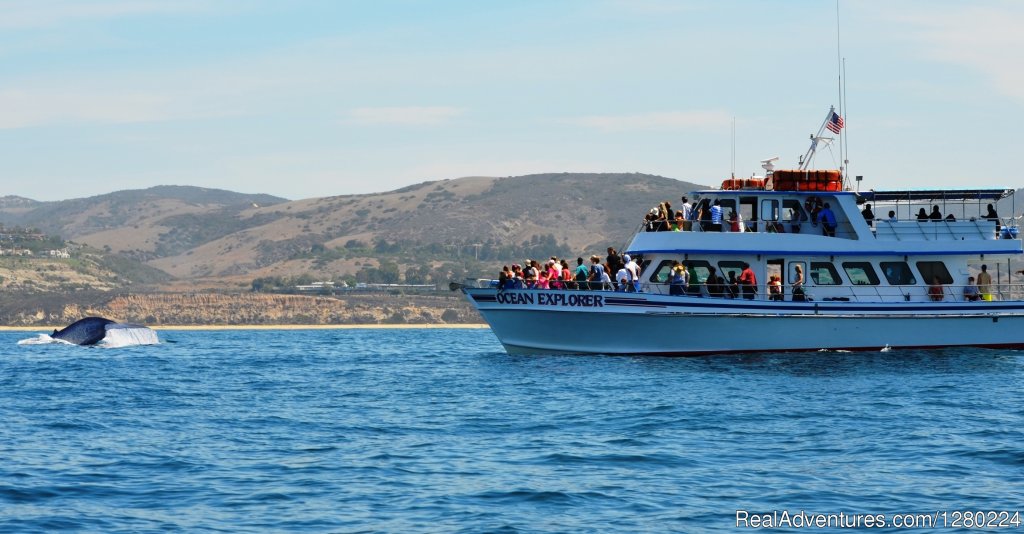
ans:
x=275 y=327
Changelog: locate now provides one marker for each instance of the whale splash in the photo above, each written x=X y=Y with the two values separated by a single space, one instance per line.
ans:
x=98 y=331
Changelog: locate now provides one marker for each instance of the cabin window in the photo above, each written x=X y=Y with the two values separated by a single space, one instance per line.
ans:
x=794 y=210
x=662 y=273
x=824 y=273
x=699 y=270
x=748 y=208
x=769 y=209
x=703 y=205
x=860 y=273
x=934 y=269
x=728 y=206
x=726 y=267
x=898 y=273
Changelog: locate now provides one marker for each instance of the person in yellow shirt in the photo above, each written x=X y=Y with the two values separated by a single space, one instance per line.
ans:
x=985 y=284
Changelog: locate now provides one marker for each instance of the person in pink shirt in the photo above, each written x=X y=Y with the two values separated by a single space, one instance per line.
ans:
x=542 y=281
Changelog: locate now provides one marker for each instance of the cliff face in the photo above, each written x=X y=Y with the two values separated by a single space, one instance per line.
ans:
x=254 y=309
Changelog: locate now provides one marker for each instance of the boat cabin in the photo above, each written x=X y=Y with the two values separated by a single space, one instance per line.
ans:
x=843 y=250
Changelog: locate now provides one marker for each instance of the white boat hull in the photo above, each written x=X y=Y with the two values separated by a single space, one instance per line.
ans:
x=589 y=322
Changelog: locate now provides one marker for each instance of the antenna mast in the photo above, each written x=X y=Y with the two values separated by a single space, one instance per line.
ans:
x=733 y=148
x=844 y=140
x=805 y=161
x=839 y=83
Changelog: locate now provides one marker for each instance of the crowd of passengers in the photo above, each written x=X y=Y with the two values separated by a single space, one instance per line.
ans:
x=710 y=218
x=555 y=273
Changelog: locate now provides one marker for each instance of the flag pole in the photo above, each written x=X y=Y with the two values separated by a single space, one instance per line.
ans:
x=806 y=160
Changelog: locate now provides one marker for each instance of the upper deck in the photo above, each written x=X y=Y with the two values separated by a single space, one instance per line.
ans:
x=791 y=222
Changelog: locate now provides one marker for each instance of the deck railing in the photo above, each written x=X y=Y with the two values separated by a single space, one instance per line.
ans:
x=1010 y=292
x=903 y=230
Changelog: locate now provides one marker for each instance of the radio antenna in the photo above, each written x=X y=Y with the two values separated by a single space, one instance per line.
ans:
x=733 y=147
x=839 y=83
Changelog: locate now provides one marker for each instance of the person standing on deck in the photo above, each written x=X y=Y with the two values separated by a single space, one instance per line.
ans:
x=581 y=274
x=827 y=220
x=798 y=283
x=991 y=215
x=614 y=261
x=985 y=284
x=687 y=214
x=716 y=216
x=748 y=282
x=869 y=216
x=677 y=280
x=634 y=273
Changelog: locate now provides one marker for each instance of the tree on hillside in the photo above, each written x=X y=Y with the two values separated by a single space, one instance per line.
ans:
x=417 y=274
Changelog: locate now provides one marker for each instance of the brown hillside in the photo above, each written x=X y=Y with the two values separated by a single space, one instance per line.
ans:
x=584 y=211
x=213 y=238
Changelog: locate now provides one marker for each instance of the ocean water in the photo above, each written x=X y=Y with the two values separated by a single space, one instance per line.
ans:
x=441 y=431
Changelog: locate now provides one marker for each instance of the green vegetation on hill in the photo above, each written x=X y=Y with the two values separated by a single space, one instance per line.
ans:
x=192 y=230
x=131 y=270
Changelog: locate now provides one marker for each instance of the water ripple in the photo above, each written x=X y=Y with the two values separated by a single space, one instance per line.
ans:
x=406 y=430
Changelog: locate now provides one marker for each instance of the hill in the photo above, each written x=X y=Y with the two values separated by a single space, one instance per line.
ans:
x=425 y=225
x=219 y=238
x=135 y=221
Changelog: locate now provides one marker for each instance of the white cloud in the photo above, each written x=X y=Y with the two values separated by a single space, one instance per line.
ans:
x=665 y=120
x=409 y=116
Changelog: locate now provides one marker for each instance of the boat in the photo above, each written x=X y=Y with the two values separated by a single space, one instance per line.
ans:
x=882 y=283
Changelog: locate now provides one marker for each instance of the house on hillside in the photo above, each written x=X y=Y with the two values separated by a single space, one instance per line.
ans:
x=316 y=287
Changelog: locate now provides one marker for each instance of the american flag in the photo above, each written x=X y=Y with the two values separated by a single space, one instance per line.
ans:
x=835 y=123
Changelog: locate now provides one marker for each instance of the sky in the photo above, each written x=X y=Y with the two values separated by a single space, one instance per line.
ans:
x=313 y=98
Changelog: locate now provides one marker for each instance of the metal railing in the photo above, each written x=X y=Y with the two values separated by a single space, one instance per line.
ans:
x=855 y=292
x=1007 y=292
x=898 y=230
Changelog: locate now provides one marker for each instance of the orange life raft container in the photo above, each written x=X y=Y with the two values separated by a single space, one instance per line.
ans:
x=735 y=184
x=807 y=180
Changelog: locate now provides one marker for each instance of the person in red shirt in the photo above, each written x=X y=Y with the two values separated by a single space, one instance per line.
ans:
x=748 y=282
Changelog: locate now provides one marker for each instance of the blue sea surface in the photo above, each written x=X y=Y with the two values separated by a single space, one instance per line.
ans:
x=442 y=431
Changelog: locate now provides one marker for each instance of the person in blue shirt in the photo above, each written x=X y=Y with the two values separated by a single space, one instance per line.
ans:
x=827 y=220
x=716 y=216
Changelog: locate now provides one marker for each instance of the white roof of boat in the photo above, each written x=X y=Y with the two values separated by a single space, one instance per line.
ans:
x=936 y=194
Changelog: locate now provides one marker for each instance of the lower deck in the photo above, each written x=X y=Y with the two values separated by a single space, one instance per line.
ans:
x=535 y=321
x=845 y=278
